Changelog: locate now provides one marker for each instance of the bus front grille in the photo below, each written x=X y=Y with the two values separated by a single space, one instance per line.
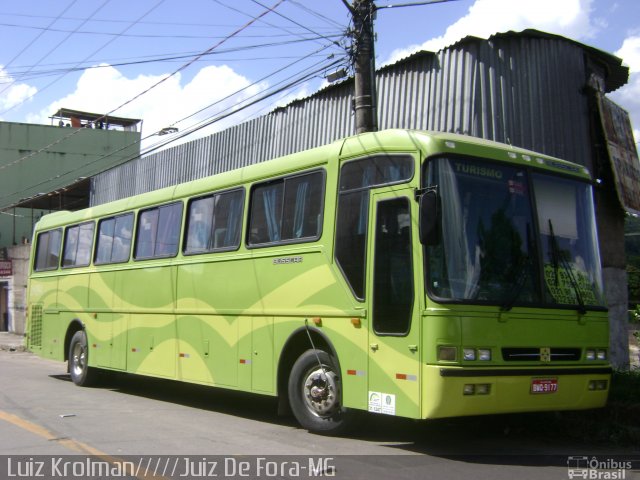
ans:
x=534 y=354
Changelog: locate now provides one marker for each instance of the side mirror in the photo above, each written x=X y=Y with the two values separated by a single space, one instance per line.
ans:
x=429 y=218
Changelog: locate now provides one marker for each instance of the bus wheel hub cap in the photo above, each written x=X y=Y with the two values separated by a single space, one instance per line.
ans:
x=319 y=392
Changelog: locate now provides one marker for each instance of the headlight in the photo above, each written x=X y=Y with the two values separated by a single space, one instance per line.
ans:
x=447 y=354
x=601 y=354
x=469 y=354
x=590 y=354
x=484 y=355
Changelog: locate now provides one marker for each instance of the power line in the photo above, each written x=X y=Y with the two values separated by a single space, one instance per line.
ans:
x=316 y=14
x=294 y=22
x=24 y=49
x=178 y=24
x=413 y=4
x=86 y=58
x=134 y=35
x=55 y=47
x=162 y=80
x=43 y=73
x=198 y=126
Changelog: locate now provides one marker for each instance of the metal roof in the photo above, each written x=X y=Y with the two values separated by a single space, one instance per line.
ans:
x=617 y=74
x=94 y=117
x=525 y=89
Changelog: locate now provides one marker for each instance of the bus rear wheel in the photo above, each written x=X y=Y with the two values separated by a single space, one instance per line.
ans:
x=81 y=373
x=315 y=394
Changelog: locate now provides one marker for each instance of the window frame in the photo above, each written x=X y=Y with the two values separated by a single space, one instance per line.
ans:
x=366 y=190
x=35 y=260
x=139 y=213
x=64 y=244
x=97 y=238
x=284 y=178
x=187 y=219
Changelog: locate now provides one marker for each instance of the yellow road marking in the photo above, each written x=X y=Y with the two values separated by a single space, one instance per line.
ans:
x=69 y=443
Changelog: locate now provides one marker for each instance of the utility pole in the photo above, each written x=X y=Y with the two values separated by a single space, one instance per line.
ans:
x=364 y=65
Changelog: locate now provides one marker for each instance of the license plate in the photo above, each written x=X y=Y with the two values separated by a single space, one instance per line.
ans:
x=544 y=385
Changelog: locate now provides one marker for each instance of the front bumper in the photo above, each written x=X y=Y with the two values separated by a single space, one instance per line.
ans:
x=510 y=390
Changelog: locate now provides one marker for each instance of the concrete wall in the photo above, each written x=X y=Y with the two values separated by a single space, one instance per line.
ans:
x=17 y=285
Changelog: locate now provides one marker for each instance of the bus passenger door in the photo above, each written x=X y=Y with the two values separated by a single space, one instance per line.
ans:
x=394 y=334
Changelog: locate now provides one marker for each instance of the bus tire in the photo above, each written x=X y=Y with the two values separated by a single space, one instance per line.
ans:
x=81 y=374
x=315 y=394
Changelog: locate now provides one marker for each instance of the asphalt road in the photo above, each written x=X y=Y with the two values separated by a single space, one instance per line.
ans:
x=43 y=413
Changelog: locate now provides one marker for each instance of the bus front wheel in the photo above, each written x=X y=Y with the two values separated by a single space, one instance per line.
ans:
x=315 y=394
x=79 y=369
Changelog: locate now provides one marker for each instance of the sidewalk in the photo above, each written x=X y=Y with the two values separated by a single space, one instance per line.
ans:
x=11 y=342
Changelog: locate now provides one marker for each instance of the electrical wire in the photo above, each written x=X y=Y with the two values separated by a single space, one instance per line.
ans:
x=137 y=35
x=37 y=37
x=199 y=126
x=298 y=24
x=316 y=14
x=174 y=58
x=131 y=25
x=162 y=80
x=70 y=34
x=172 y=24
x=413 y=4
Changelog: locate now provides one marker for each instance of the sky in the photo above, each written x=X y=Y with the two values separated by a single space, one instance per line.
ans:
x=204 y=65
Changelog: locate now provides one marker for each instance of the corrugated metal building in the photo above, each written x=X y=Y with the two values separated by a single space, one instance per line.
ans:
x=526 y=89
x=529 y=89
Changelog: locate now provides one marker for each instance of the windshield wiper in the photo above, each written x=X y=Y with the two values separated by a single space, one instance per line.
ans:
x=558 y=257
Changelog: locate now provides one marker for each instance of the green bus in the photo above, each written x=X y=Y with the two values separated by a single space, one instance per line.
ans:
x=406 y=273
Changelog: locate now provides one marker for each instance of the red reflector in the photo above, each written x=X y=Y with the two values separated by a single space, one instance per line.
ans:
x=351 y=372
x=401 y=376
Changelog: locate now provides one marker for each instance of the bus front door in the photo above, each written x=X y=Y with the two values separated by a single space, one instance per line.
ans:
x=394 y=334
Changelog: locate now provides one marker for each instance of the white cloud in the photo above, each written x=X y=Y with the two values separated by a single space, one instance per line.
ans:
x=630 y=53
x=629 y=95
x=12 y=92
x=101 y=90
x=570 y=18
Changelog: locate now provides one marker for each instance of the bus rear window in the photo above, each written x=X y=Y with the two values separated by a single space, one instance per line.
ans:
x=48 y=250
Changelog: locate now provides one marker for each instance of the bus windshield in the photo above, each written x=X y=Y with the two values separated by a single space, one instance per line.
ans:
x=512 y=237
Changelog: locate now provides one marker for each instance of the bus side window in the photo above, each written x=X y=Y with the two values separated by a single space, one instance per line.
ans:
x=158 y=232
x=287 y=210
x=357 y=177
x=78 y=243
x=114 y=239
x=48 y=250
x=214 y=222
